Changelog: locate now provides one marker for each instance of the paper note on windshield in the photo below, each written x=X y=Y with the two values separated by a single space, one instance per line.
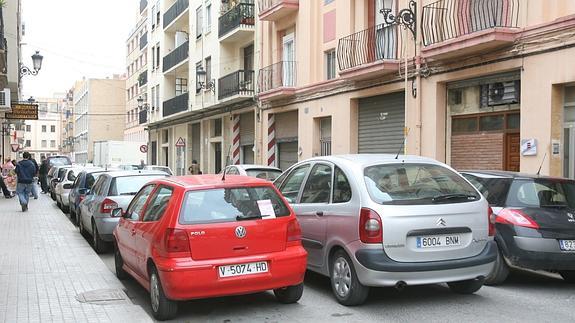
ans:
x=266 y=209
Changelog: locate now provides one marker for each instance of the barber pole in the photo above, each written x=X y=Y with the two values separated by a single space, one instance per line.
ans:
x=236 y=141
x=271 y=140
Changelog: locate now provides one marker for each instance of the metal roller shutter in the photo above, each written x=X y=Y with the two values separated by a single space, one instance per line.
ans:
x=287 y=154
x=196 y=142
x=247 y=129
x=381 y=123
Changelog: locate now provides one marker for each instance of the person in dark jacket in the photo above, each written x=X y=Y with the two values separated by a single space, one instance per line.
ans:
x=25 y=171
x=43 y=174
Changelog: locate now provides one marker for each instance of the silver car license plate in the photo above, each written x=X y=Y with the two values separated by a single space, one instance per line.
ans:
x=243 y=269
x=439 y=241
x=567 y=245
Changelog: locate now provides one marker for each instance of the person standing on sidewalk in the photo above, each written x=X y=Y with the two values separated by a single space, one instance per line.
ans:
x=25 y=170
x=43 y=174
x=35 y=180
x=5 y=191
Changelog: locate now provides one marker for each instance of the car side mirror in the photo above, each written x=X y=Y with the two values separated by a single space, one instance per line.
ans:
x=68 y=186
x=88 y=192
x=117 y=212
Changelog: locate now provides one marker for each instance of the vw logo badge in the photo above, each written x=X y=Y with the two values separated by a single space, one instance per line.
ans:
x=240 y=232
x=441 y=222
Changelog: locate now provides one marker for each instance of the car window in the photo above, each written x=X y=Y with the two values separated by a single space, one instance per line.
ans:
x=227 y=204
x=232 y=171
x=78 y=180
x=135 y=208
x=97 y=187
x=267 y=174
x=62 y=174
x=71 y=175
x=278 y=181
x=545 y=193
x=493 y=188
x=318 y=185
x=341 y=187
x=291 y=185
x=158 y=204
x=130 y=185
x=57 y=161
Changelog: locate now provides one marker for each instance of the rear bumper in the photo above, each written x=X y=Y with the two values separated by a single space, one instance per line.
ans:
x=537 y=253
x=375 y=268
x=183 y=280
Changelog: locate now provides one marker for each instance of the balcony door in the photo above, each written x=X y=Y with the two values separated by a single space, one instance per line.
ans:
x=385 y=35
x=288 y=68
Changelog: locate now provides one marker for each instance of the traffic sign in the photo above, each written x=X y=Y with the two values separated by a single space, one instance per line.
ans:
x=180 y=142
x=15 y=147
x=144 y=148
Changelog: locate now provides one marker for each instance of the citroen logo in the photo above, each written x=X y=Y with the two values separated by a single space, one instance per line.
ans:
x=441 y=222
x=240 y=232
x=571 y=217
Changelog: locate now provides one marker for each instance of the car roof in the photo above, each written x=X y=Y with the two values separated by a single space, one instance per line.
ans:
x=374 y=159
x=255 y=166
x=509 y=174
x=193 y=181
x=125 y=173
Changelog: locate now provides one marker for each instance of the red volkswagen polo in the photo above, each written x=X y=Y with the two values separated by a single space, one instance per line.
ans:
x=205 y=236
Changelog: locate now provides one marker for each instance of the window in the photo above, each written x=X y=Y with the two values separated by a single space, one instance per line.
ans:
x=158 y=97
x=341 y=187
x=129 y=185
x=217 y=127
x=158 y=55
x=181 y=86
x=44 y=143
x=153 y=58
x=28 y=128
x=28 y=143
x=208 y=69
x=198 y=88
x=325 y=136
x=43 y=128
x=139 y=201
x=158 y=204
x=232 y=171
x=542 y=193
x=153 y=97
x=330 y=64
x=52 y=143
x=318 y=186
x=157 y=13
x=208 y=17
x=291 y=185
x=459 y=125
x=52 y=128
x=199 y=22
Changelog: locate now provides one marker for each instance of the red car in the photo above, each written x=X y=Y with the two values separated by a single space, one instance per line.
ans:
x=204 y=236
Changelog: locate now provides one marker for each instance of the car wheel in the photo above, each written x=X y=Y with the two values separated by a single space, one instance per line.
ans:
x=97 y=243
x=466 y=286
x=568 y=276
x=162 y=307
x=344 y=282
x=119 y=263
x=499 y=272
x=289 y=295
x=59 y=205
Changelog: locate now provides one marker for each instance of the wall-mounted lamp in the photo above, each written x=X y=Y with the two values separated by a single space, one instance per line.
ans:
x=36 y=63
x=209 y=85
x=414 y=88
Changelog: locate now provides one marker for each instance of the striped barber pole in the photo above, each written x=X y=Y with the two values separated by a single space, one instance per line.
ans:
x=236 y=140
x=271 y=140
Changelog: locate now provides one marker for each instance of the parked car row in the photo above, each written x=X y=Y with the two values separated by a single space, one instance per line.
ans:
x=362 y=220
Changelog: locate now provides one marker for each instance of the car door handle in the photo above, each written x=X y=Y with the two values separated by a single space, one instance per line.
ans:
x=319 y=213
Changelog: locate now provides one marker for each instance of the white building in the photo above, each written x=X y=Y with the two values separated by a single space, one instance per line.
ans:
x=42 y=137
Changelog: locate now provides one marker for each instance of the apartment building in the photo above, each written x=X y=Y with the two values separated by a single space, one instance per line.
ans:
x=99 y=110
x=490 y=89
x=207 y=47
x=42 y=137
x=67 y=124
x=137 y=78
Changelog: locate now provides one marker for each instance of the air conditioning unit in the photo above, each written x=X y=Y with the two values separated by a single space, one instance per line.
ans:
x=5 y=100
x=500 y=93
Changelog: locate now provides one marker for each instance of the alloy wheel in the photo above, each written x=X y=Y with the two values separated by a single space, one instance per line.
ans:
x=154 y=292
x=341 y=277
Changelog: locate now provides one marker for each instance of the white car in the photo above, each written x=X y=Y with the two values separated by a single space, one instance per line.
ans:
x=164 y=169
x=63 y=187
x=259 y=171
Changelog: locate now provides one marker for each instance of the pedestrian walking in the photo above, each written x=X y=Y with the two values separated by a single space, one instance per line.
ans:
x=194 y=169
x=43 y=174
x=25 y=171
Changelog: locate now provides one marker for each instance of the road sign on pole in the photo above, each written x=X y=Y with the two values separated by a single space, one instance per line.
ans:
x=144 y=148
x=180 y=142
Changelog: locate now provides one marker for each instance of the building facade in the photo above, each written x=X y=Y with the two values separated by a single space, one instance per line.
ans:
x=67 y=124
x=42 y=137
x=99 y=110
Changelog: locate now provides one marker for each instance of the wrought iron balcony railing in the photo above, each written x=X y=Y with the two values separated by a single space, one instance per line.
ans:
x=144 y=40
x=142 y=116
x=174 y=11
x=448 y=19
x=266 y=4
x=237 y=83
x=176 y=56
x=240 y=15
x=143 y=78
x=175 y=104
x=281 y=74
x=367 y=46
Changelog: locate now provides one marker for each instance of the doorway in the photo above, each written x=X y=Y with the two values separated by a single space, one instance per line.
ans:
x=512 y=147
x=288 y=57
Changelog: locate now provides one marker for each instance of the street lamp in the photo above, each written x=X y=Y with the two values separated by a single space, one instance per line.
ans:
x=36 y=64
x=201 y=74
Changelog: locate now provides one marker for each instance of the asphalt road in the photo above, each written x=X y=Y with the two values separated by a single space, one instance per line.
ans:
x=525 y=297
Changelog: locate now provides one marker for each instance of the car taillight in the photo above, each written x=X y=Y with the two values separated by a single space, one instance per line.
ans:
x=107 y=206
x=370 y=226
x=516 y=217
x=176 y=241
x=491 y=221
x=293 y=231
x=82 y=197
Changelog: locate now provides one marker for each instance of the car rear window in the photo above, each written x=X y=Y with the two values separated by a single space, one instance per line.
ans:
x=493 y=188
x=413 y=184
x=547 y=193
x=268 y=174
x=130 y=185
x=59 y=161
x=227 y=204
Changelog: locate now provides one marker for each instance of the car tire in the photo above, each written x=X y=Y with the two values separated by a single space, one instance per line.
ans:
x=59 y=205
x=119 y=263
x=289 y=295
x=98 y=244
x=466 y=286
x=499 y=272
x=568 y=276
x=162 y=307
x=53 y=196
x=345 y=285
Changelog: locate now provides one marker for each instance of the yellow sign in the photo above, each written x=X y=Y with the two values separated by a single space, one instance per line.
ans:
x=22 y=111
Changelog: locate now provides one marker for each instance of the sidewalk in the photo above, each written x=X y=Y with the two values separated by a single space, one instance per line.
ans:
x=46 y=265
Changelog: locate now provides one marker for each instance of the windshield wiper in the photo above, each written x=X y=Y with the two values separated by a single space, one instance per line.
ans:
x=447 y=197
x=247 y=217
x=557 y=206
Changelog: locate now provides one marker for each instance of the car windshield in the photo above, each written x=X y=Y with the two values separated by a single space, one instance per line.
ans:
x=547 y=193
x=59 y=161
x=161 y=169
x=268 y=174
x=417 y=184
x=231 y=204
x=130 y=185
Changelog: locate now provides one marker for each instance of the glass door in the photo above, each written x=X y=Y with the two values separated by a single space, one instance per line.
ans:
x=288 y=68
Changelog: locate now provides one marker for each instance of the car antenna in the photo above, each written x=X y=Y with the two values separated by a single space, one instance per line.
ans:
x=226 y=166
x=539 y=171
x=405 y=132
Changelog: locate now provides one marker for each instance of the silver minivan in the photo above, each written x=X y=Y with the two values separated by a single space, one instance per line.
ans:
x=386 y=220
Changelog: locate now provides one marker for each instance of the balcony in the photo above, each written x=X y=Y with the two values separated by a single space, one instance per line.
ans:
x=143 y=117
x=175 y=105
x=239 y=84
x=175 y=15
x=143 y=78
x=176 y=57
x=277 y=81
x=144 y=40
x=273 y=10
x=455 y=28
x=369 y=53
x=237 y=23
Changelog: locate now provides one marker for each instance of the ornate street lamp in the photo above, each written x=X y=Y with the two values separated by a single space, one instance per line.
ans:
x=406 y=17
x=36 y=64
x=209 y=85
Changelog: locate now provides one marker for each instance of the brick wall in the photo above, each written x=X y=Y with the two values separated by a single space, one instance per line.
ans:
x=477 y=151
